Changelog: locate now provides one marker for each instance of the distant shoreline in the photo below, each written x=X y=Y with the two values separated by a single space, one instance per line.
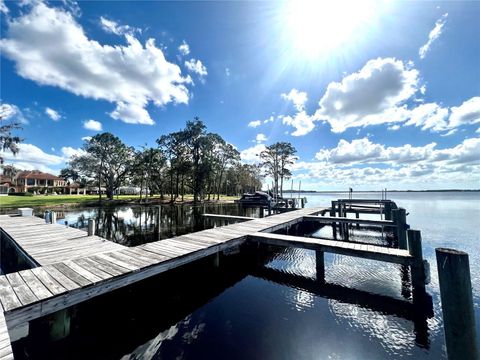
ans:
x=373 y=191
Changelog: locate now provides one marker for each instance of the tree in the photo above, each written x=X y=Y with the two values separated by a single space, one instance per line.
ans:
x=227 y=155
x=275 y=159
x=68 y=174
x=10 y=171
x=107 y=159
x=287 y=158
x=7 y=140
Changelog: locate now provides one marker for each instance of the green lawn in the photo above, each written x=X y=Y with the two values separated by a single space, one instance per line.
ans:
x=59 y=200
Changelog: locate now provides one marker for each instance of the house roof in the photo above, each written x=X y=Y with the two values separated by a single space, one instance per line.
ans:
x=35 y=174
x=5 y=179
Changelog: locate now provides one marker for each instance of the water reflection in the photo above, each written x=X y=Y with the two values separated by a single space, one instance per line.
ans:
x=135 y=225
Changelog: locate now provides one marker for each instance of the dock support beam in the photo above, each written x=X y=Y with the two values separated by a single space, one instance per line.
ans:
x=320 y=265
x=216 y=260
x=417 y=270
x=91 y=227
x=400 y=218
x=457 y=304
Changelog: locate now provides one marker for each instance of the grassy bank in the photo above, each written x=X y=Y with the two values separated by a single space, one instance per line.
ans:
x=78 y=200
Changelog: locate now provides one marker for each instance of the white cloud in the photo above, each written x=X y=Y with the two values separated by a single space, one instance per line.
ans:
x=112 y=27
x=411 y=166
x=131 y=114
x=227 y=71
x=184 y=49
x=251 y=155
x=260 y=138
x=433 y=35
x=467 y=113
x=50 y=47
x=3 y=7
x=31 y=154
x=86 y=138
x=254 y=124
x=68 y=152
x=394 y=127
x=374 y=95
x=52 y=114
x=197 y=67
x=8 y=111
x=92 y=125
x=298 y=98
x=429 y=116
x=301 y=121
x=12 y=112
x=364 y=151
x=271 y=119
x=31 y=157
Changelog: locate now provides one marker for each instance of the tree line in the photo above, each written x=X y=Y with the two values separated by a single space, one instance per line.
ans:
x=189 y=161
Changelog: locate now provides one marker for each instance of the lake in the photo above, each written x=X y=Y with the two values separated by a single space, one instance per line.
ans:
x=276 y=311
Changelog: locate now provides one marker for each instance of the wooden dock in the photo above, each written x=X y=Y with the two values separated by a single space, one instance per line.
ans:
x=51 y=243
x=73 y=267
x=30 y=294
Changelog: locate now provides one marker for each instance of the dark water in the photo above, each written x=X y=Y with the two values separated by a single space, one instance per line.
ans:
x=266 y=305
x=135 y=225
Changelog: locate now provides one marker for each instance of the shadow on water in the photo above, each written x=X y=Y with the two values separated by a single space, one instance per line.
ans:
x=114 y=324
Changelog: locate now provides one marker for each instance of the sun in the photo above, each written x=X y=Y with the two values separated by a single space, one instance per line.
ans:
x=314 y=28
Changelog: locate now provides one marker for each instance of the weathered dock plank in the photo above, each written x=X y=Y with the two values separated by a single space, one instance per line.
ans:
x=372 y=252
x=6 y=352
x=51 y=243
x=76 y=279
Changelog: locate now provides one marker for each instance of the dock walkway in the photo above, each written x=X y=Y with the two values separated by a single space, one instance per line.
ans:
x=47 y=244
x=79 y=276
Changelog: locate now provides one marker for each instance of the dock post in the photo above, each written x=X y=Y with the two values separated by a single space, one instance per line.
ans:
x=357 y=216
x=54 y=217
x=262 y=212
x=457 y=304
x=60 y=325
x=91 y=227
x=387 y=208
x=416 y=269
x=332 y=209
x=400 y=218
x=320 y=265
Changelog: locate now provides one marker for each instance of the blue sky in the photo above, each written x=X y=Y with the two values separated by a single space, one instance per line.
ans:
x=372 y=94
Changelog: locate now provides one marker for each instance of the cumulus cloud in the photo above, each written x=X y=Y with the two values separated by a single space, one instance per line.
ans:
x=429 y=116
x=254 y=124
x=298 y=98
x=433 y=35
x=301 y=121
x=31 y=157
x=131 y=114
x=184 y=48
x=113 y=27
x=12 y=112
x=92 y=125
x=86 y=138
x=3 y=7
x=260 y=138
x=252 y=154
x=361 y=162
x=52 y=114
x=373 y=95
x=467 y=113
x=50 y=47
x=196 y=66
x=364 y=151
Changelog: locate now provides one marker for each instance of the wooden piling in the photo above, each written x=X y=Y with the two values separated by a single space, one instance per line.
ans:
x=54 y=217
x=320 y=265
x=400 y=218
x=91 y=227
x=416 y=269
x=457 y=304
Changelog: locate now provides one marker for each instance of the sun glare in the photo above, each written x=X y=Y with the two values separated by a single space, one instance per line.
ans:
x=317 y=27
